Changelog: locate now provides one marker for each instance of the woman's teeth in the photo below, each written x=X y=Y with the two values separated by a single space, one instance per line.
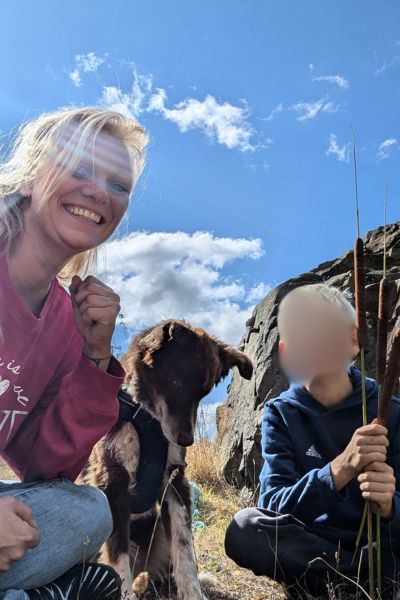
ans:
x=83 y=212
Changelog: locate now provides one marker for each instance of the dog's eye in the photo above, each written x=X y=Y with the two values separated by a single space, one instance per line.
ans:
x=176 y=384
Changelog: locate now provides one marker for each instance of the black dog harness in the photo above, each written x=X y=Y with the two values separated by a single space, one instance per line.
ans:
x=153 y=453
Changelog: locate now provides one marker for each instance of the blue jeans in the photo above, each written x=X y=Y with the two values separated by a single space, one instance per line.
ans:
x=73 y=520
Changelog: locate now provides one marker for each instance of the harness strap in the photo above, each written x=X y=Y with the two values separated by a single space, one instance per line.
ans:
x=153 y=453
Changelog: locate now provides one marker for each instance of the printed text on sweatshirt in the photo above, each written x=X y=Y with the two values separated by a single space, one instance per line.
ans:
x=55 y=404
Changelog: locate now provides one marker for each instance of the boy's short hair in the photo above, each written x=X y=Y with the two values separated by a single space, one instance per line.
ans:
x=329 y=293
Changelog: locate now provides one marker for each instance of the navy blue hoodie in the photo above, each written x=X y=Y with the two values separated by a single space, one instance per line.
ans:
x=299 y=439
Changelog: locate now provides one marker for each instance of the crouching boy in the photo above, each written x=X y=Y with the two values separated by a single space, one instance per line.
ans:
x=320 y=463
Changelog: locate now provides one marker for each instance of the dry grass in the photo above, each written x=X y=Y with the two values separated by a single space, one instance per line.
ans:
x=223 y=579
x=202 y=459
x=217 y=507
x=218 y=503
x=5 y=472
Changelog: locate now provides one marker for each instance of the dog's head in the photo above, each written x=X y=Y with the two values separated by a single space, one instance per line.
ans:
x=171 y=367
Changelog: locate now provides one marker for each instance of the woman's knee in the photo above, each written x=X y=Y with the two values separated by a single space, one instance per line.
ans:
x=77 y=514
x=74 y=521
x=94 y=510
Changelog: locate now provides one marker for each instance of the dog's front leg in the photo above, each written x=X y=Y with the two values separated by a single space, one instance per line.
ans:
x=121 y=453
x=179 y=507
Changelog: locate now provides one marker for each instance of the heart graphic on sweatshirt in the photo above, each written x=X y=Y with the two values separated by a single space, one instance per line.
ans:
x=4 y=385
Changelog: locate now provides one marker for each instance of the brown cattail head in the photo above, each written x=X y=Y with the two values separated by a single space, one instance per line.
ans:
x=383 y=317
x=359 y=289
x=391 y=377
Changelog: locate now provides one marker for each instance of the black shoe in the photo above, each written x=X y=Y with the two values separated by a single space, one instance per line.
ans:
x=91 y=581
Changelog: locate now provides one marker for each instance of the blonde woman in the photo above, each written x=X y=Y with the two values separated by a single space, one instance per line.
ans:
x=64 y=187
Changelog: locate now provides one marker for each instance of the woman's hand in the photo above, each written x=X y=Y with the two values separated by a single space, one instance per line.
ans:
x=368 y=444
x=18 y=531
x=96 y=308
x=378 y=484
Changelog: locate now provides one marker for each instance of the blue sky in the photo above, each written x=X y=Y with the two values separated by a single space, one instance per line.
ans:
x=249 y=106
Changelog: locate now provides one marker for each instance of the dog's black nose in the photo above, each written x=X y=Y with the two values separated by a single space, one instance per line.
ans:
x=185 y=439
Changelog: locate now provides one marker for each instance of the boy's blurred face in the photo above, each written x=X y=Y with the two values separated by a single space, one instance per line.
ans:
x=317 y=338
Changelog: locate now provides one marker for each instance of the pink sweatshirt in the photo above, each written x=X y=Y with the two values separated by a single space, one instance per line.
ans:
x=55 y=404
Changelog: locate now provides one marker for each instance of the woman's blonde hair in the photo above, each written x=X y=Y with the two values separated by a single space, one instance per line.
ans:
x=62 y=134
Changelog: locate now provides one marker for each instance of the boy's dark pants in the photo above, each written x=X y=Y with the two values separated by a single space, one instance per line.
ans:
x=281 y=547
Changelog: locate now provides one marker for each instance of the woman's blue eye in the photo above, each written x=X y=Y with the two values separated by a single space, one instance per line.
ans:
x=83 y=173
x=119 y=187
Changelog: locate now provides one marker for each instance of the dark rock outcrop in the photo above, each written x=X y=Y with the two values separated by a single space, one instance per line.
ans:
x=240 y=439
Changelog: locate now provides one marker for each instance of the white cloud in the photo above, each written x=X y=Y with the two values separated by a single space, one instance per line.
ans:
x=275 y=111
x=309 y=110
x=342 y=153
x=386 y=65
x=338 y=80
x=88 y=63
x=221 y=122
x=162 y=275
x=141 y=89
x=134 y=102
x=75 y=78
x=386 y=147
x=114 y=99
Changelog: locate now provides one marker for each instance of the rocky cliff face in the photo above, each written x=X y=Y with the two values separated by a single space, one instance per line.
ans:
x=240 y=418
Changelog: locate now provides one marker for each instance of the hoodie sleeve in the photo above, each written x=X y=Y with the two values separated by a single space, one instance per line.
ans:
x=282 y=490
x=58 y=437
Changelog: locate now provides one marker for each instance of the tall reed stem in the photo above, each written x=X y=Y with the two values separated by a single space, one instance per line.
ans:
x=370 y=551
x=381 y=355
x=362 y=336
x=378 y=554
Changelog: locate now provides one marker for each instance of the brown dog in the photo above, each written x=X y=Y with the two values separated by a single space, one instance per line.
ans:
x=140 y=463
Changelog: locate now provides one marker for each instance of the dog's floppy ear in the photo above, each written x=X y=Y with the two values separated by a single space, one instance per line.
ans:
x=232 y=357
x=153 y=341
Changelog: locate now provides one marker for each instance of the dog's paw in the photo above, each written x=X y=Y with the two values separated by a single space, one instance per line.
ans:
x=141 y=583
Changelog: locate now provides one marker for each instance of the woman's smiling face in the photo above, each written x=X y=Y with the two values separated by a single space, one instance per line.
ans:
x=87 y=204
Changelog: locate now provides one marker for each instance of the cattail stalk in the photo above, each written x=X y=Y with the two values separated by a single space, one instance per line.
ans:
x=361 y=318
x=356 y=182
x=391 y=376
x=362 y=337
x=360 y=298
x=389 y=382
x=382 y=334
x=381 y=353
x=370 y=551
